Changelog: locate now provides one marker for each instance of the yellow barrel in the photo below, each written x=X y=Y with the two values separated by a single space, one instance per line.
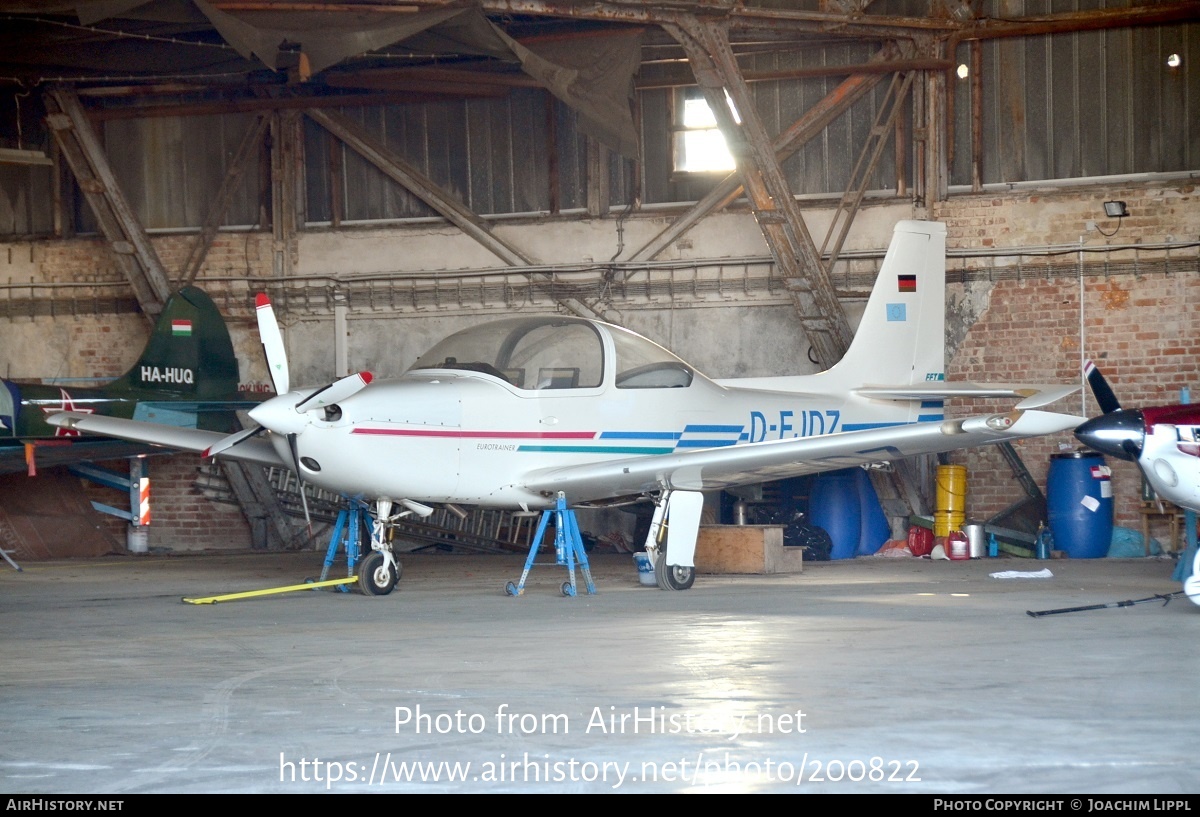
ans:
x=952 y=488
x=951 y=500
x=946 y=521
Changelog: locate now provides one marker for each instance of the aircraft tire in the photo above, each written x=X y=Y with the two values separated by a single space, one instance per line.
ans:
x=375 y=576
x=673 y=577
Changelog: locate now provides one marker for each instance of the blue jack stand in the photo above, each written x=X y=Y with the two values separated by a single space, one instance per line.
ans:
x=349 y=521
x=568 y=547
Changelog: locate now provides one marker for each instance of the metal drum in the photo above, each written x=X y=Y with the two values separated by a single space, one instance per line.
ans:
x=1079 y=504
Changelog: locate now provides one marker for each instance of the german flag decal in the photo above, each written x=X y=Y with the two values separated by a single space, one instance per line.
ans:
x=907 y=283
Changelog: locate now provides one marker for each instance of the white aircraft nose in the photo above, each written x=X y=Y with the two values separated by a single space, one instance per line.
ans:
x=279 y=415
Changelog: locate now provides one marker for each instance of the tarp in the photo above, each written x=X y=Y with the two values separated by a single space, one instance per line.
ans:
x=591 y=74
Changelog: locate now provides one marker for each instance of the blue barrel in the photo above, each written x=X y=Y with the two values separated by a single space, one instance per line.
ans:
x=1079 y=503
x=833 y=505
x=875 y=528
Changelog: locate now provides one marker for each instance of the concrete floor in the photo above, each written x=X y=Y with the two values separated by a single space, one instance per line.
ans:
x=866 y=676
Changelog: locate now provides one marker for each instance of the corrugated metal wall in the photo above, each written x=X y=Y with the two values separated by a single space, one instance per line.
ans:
x=1065 y=106
x=492 y=154
x=25 y=200
x=1079 y=105
x=170 y=168
x=824 y=164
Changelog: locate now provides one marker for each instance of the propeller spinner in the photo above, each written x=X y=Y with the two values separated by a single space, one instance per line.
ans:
x=1119 y=434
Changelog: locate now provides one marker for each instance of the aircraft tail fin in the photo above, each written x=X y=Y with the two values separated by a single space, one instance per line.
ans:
x=901 y=338
x=189 y=354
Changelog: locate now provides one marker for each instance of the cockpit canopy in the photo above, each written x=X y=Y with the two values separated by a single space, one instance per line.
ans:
x=552 y=352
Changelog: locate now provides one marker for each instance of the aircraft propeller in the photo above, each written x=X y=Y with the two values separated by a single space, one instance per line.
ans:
x=292 y=447
x=1100 y=389
x=1118 y=432
x=230 y=441
x=272 y=343
x=283 y=414
x=288 y=414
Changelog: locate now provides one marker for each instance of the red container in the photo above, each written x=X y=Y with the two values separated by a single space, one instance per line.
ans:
x=920 y=541
x=957 y=547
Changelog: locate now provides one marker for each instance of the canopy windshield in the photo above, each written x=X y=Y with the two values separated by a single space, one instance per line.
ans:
x=552 y=352
x=530 y=353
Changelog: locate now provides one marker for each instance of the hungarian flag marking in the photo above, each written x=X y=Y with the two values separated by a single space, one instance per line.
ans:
x=181 y=328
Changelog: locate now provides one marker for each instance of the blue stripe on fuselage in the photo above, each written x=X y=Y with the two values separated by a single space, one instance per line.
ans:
x=640 y=435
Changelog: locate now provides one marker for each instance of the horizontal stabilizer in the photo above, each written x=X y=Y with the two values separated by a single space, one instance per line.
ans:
x=1032 y=395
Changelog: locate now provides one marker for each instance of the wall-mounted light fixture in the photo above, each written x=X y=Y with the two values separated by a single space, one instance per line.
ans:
x=1114 y=209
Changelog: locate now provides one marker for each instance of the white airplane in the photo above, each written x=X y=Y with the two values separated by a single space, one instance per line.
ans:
x=1164 y=441
x=511 y=413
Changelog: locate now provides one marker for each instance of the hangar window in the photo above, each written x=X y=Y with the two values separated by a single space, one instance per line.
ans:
x=699 y=144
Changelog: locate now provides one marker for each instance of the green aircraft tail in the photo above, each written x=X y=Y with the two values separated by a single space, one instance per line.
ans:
x=189 y=355
x=187 y=376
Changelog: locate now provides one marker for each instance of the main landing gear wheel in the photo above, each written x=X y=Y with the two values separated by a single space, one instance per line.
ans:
x=672 y=577
x=375 y=576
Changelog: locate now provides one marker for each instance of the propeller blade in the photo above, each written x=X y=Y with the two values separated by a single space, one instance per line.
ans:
x=1100 y=389
x=272 y=343
x=335 y=392
x=291 y=439
x=230 y=441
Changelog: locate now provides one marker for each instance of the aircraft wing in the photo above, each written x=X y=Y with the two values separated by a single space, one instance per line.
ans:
x=184 y=439
x=69 y=451
x=750 y=463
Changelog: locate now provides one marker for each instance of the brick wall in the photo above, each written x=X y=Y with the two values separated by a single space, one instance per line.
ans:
x=1141 y=329
x=181 y=518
